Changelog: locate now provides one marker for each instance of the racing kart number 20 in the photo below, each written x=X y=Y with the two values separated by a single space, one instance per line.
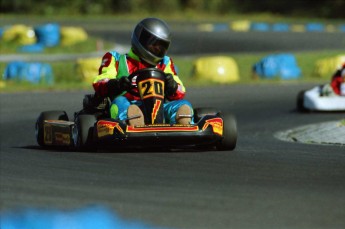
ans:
x=151 y=88
x=92 y=128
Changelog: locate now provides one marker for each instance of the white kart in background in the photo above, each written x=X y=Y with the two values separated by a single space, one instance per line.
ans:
x=320 y=98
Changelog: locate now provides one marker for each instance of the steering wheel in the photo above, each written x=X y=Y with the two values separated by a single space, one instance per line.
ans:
x=140 y=73
x=143 y=71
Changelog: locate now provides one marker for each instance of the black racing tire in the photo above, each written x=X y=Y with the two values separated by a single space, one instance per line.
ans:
x=229 y=139
x=202 y=111
x=300 y=101
x=47 y=115
x=83 y=133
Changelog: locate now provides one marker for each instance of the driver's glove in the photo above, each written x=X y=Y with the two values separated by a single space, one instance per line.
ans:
x=117 y=86
x=125 y=84
x=170 y=84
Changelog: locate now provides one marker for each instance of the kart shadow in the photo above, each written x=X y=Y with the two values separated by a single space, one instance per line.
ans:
x=120 y=150
x=154 y=150
x=51 y=149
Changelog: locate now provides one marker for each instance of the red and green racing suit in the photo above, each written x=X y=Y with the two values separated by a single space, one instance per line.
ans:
x=115 y=65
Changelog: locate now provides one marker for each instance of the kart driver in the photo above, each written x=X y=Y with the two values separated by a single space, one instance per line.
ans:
x=337 y=85
x=338 y=81
x=150 y=42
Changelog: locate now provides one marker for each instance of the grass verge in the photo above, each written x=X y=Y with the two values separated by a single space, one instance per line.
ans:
x=68 y=78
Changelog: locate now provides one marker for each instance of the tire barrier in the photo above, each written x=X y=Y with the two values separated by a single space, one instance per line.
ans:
x=218 y=69
x=240 y=26
x=342 y=28
x=21 y=34
x=257 y=26
x=324 y=68
x=48 y=35
x=246 y=26
x=35 y=39
x=72 y=35
x=277 y=65
x=280 y=27
x=87 y=68
x=88 y=217
x=35 y=72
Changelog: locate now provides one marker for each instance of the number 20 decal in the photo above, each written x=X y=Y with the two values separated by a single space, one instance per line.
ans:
x=151 y=88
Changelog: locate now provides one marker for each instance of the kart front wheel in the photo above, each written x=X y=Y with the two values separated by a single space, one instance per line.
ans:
x=83 y=133
x=229 y=139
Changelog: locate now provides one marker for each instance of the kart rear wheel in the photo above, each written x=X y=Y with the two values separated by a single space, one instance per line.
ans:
x=229 y=139
x=300 y=101
x=83 y=133
x=47 y=115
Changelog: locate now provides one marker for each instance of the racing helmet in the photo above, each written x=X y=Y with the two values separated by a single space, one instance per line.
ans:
x=151 y=39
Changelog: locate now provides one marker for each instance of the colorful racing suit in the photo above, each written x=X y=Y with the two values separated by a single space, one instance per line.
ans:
x=338 y=82
x=115 y=65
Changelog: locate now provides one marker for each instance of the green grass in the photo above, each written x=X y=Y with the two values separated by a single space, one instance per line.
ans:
x=68 y=78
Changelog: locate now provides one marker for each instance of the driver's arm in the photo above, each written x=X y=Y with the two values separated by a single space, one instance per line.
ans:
x=181 y=90
x=107 y=71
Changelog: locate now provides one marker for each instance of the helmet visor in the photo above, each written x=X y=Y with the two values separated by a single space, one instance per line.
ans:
x=153 y=44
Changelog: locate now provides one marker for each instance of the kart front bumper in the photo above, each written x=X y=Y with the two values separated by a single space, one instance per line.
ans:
x=118 y=135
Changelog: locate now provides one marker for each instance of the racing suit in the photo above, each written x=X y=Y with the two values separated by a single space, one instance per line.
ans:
x=338 y=82
x=115 y=65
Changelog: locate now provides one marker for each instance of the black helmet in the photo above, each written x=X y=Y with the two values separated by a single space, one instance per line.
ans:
x=151 y=40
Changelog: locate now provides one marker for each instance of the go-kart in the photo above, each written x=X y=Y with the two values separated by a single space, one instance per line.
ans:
x=321 y=99
x=92 y=128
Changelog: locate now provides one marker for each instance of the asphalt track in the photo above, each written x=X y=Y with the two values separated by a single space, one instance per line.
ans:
x=264 y=183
